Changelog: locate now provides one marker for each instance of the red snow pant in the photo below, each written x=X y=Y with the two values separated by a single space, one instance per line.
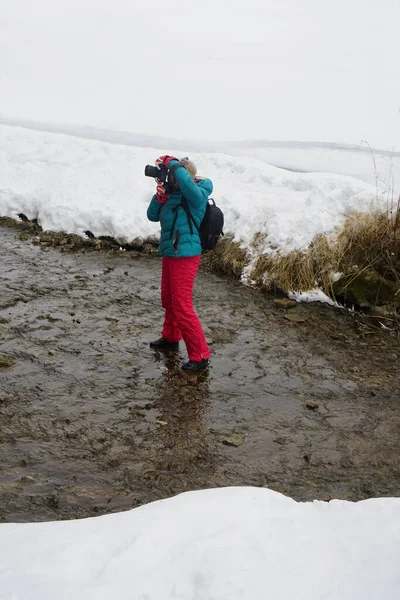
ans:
x=180 y=321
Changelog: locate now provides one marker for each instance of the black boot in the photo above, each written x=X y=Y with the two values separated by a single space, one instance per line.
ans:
x=162 y=344
x=195 y=367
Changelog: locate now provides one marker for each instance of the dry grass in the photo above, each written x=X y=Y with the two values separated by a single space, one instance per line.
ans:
x=296 y=270
x=371 y=240
x=227 y=258
x=366 y=241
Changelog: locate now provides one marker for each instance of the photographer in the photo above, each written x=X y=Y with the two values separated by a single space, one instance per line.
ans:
x=179 y=204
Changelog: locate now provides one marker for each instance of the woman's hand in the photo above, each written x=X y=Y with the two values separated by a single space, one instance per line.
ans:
x=161 y=194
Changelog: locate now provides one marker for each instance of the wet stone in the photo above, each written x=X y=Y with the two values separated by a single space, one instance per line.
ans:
x=233 y=440
x=285 y=303
x=296 y=317
x=6 y=361
x=312 y=405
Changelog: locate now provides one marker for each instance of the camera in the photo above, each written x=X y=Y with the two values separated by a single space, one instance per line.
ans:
x=160 y=174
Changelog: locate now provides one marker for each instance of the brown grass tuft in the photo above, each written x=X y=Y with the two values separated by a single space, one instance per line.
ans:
x=366 y=241
x=296 y=270
x=371 y=240
x=227 y=258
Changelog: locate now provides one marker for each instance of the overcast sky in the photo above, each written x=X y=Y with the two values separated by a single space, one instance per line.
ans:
x=215 y=69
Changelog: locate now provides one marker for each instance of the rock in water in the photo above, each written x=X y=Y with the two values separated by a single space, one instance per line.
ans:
x=295 y=317
x=285 y=303
x=312 y=405
x=233 y=440
x=6 y=361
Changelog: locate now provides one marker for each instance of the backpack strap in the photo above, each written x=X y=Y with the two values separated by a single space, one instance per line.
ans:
x=175 y=211
x=189 y=215
x=184 y=204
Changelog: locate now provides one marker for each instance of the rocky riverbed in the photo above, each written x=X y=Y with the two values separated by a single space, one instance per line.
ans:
x=303 y=400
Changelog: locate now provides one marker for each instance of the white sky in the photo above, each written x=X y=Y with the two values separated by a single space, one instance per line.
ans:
x=215 y=69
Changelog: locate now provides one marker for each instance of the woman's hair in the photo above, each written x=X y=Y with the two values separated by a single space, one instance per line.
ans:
x=189 y=166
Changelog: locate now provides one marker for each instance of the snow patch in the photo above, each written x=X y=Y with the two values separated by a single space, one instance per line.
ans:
x=236 y=543
x=314 y=295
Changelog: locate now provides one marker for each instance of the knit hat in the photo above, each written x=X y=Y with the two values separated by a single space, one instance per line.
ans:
x=189 y=166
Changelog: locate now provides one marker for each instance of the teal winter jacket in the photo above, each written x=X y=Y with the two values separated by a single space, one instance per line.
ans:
x=176 y=238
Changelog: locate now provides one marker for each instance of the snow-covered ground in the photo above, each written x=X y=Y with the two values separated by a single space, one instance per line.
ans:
x=73 y=184
x=379 y=168
x=236 y=543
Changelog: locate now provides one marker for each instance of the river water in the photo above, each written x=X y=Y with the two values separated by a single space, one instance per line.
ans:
x=304 y=401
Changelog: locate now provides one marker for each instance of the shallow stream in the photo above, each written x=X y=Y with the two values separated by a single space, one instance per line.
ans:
x=305 y=401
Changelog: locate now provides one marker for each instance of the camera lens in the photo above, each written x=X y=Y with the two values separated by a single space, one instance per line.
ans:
x=151 y=171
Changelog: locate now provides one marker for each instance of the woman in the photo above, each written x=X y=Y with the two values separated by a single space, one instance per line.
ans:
x=180 y=206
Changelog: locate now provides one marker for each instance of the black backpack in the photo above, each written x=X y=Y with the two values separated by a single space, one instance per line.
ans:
x=211 y=227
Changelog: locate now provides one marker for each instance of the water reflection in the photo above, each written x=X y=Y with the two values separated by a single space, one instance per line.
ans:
x=182 y=401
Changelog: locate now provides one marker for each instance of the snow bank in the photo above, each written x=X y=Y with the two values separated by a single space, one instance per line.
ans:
x=236 y=543
x=72 y=184
x=379 y=168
